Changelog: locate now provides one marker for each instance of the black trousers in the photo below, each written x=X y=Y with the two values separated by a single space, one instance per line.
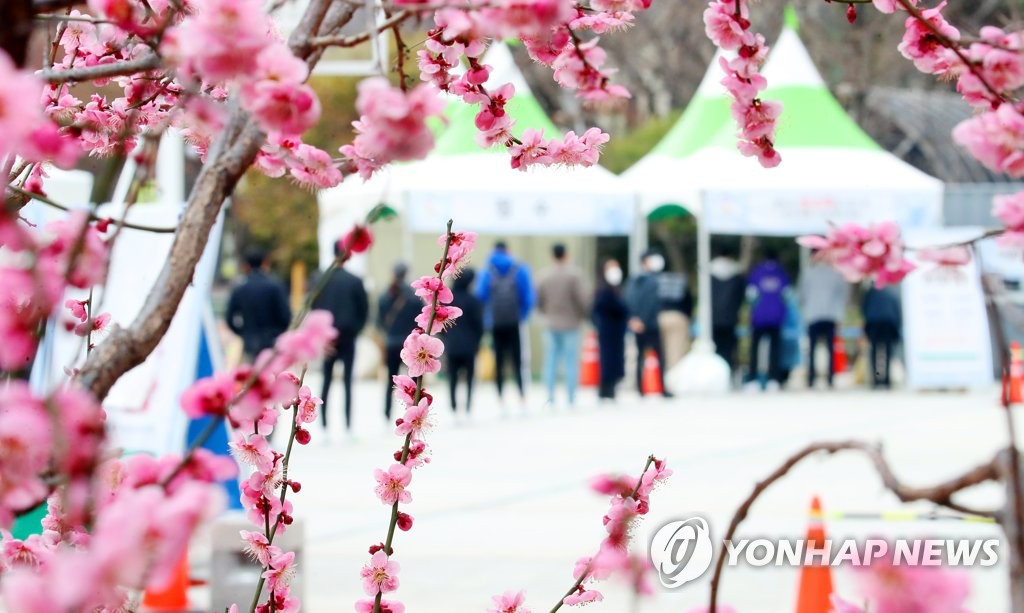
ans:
x=882 y=337
x=393 y=360
x=774 y=336
x=725 y=344
x=507 y=346
x=345 y=350
x=825 y=331
x=463 y=364
x=606 y=386
x=649 y=339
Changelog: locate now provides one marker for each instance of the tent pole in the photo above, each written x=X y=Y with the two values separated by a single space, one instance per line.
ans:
x=638 y=238
x=704 y=283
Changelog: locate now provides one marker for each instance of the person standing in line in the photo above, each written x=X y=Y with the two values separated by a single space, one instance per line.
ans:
x=610 y=315
x=728 y=287
x=462 y=341
x=644 y=305
x=675 y=315
x=766 y=286
x=345 y=298
x=397 y=309
x=564 y=303
x=506 y=292
x=823 y=295
x=882 y=321
x=258 y=309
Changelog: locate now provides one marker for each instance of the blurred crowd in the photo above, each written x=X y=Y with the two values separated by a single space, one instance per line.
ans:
x=760 y=310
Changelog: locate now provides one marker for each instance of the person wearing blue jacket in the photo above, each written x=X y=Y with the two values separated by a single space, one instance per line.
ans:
x=505 y=289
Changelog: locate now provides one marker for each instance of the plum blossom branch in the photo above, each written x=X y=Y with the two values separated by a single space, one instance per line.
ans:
x=92 y=216
x=940 y=494
x=149 y=61
x=952 y=45
x=630 y=500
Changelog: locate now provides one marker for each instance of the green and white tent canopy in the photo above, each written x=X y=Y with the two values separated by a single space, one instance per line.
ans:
x=831 y=171
x=479 y=188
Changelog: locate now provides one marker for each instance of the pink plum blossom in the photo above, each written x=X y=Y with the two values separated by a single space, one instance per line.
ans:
x=420 y=352
x=252 y=449
x=995 y=138
x=306 y=409
x=860 y=252
x=19 y=109
x=386 y=606
x=426 y=287
x=380 y=575
x=405 y=389
x=258 y=547
x=922 y=46
x=1009 y=209
x=391 y=484
x=509 y=602
x=905 y=588
x=415 y=421
x=310 y=340
x=438 y=319
x=582 y=597
x=221 y=40
x=727 y=29
x=281 y=571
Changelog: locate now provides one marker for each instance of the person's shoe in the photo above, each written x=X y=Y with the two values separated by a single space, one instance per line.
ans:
x=751 y=386
x=667 y=394
x=772 y=386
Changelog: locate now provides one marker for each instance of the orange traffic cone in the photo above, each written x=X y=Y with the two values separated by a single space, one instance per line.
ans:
x=815 y=588
x=839 y=354
x=174 y=596
x=590 y=363
x=1016 y=373
x=652 y=375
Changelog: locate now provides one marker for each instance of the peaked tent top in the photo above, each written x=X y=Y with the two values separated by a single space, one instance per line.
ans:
x=811 y=116
x=707 y=112
x=459 y=137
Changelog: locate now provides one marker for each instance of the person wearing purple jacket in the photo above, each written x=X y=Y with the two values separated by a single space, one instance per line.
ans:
x=766 y=286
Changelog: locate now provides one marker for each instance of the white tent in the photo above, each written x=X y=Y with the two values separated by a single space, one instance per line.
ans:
x=479 y=189
x=831 y=171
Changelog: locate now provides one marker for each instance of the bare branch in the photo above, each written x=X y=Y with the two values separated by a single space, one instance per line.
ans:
x=92 y=216
x=142 y=63
x=355 y=39
x=939 y=494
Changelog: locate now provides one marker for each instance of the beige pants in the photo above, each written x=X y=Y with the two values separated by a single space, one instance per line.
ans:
x=675 y=336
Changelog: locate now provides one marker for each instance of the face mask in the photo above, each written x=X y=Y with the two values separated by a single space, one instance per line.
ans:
x=656 y=263
x=613 y=276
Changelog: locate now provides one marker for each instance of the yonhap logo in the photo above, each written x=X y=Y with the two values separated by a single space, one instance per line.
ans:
x=681 y=551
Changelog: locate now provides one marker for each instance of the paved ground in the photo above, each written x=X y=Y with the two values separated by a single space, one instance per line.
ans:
x=504 y=503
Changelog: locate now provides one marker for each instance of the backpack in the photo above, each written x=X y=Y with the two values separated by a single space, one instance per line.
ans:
x=504 y=297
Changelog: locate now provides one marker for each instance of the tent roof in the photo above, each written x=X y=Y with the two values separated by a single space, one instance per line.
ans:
x=826 y=158
x=459 y=137
x=707 y=112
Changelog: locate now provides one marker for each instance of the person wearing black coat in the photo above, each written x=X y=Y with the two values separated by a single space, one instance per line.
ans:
x=258 y=309
x=610 y=314
x=882 y=321
x=462 y=341
x=397 y=309
x=728 y=291
x=345 y=298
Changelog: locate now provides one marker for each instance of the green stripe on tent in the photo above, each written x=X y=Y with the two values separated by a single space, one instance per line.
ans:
x=702 y=119
x=811 y=117
x=459 y=138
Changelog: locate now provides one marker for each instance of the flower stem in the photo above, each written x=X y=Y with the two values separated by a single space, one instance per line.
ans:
x=416 y=398
x=586 y=570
